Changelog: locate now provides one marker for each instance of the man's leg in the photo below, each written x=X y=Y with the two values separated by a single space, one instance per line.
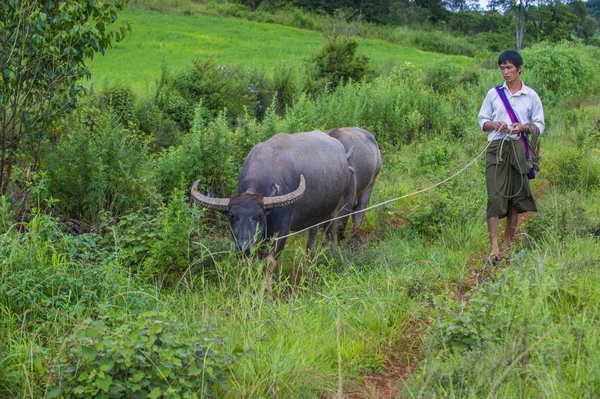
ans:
x=493 y=232
x=512 y=219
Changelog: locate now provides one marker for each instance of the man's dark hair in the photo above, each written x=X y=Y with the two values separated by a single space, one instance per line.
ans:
x=511 y=56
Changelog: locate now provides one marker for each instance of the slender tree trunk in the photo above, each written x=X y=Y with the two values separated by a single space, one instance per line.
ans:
x=520 y=26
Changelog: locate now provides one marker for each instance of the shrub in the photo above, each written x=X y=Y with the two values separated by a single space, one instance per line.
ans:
x=148 y=357
x=442 y=76
x=6 y=214
x=48 y=274
x=205 y=153
x=337 y=62
x=163 y=130
x=220 y=88
x=559 y=218
x=435 y=155
x=566 y=69
x=169 y=250
x=99 y=170
x=429 y=215
x=122 y=101
x=571 y=168
x=285 y=85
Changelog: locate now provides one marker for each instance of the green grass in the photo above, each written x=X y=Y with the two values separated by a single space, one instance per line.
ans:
x=400 y=297
x=175 y=40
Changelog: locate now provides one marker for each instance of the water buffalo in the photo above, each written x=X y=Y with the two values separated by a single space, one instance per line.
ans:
x=287 y=183
x=365 y=163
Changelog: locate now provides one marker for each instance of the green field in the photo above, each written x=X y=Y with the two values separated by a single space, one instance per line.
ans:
x=175 y=40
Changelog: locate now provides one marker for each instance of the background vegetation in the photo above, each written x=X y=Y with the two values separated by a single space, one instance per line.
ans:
x=112 y=284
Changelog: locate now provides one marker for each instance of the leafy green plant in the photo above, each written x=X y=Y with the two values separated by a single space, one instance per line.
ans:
x=218 y=88
x=566 y=69
x=45 y=51
x=442 y=76
x=147 y=357
x=435 y=155
x=337 y=62
x=571 y=168
x=169 y=250
x=163 y=130
x=431 y=214
x=122 y=101
x=466 y=324
x=205 y=153
x=99 y=170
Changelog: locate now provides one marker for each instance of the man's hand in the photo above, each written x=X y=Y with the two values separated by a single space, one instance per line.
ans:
x=503 y=127
x=519 y=127
x=500 y=127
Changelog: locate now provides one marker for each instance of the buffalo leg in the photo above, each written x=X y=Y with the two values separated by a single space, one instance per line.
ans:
x=270 y=266
x=312 y=239
x=363 y=200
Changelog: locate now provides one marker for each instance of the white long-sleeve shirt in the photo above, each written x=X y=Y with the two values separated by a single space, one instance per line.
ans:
x=526 y=103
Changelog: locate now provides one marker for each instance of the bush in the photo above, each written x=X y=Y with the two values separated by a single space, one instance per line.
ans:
x=205 y=153
x=169 y=250
x=430 y=214
x=285 y=85
x=559 y=218
x=148 y=357
x=435 y=155
x=220 y=88
x=99 y=168
x=566 y=69
x=6 y=214
x=163 y=130
x=442 y=76
x=337 y=62
x=122 y=101
x=48 y=274
x=570 y=168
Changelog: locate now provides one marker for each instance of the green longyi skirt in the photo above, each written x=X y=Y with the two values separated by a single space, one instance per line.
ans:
x=506 y=178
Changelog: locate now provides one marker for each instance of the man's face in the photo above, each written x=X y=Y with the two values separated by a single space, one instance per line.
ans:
x=510 y=73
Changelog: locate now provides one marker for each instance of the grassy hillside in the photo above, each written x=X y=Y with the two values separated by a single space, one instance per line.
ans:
x=175 y=40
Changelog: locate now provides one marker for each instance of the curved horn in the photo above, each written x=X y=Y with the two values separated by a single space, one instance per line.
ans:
x=287 y=199
x=220 y=204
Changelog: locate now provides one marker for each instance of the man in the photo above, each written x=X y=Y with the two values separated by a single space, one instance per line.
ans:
x=506 y=172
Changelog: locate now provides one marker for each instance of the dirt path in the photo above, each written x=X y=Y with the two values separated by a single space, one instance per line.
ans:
x=387 y=384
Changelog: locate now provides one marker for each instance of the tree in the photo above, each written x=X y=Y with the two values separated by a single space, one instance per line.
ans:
x=44 y=46
x=520 y=9
x=593 y=7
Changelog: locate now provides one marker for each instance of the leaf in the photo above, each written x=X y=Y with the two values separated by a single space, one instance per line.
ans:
x=89 y=353
x=136 y=377
x=37 y=362
x=106 y=364
x=155 y=393
x=104 y=383
x=53 y=392
x=194 y=370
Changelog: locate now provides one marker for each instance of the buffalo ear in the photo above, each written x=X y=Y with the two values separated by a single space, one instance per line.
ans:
x=275 y=189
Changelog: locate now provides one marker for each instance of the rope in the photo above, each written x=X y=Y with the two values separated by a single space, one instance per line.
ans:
x=393 y=199
x=500 y=159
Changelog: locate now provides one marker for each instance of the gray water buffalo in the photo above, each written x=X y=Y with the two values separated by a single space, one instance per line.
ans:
x=365 y=163
x=287 y=183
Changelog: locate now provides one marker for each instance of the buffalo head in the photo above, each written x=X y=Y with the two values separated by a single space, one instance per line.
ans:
x=247 y=212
